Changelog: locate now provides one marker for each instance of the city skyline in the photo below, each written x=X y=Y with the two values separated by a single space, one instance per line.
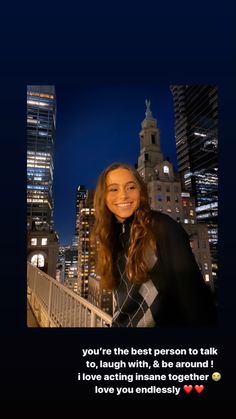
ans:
x=95 y=127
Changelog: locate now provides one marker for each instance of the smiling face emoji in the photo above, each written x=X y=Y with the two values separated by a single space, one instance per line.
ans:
x=216 y=376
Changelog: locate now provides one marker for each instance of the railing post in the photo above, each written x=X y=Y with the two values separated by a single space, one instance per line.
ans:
x=35 y=280
x=93 y=319
x=49 y=301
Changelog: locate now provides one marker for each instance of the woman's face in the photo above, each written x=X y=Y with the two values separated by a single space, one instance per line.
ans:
x=122 y=193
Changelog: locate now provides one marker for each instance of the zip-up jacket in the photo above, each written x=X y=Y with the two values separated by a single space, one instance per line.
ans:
x=175 y=293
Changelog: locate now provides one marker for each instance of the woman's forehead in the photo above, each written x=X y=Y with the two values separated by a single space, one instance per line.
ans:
x=120 y=176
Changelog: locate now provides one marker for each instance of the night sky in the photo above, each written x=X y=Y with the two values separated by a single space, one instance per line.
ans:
x=97 y=126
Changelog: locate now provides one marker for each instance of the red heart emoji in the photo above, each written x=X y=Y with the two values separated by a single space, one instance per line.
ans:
x=199 y=389
x=188 y=388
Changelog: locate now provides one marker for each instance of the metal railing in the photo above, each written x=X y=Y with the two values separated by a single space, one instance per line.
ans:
x=54 y=305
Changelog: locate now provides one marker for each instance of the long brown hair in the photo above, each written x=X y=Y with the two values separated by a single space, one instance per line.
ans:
x=103 y=235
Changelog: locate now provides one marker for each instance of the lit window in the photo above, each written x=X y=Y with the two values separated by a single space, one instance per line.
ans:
x=38 y=260
x=166 y=169
x=205 y=265
x=191 y=212
x=33 y=242
x=168 y=209
x=44 y=242
x=207 y=277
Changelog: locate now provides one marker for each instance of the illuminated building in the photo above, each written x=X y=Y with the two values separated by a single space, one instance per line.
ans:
x=42 y=250
x=164 y=187
x=81 y=194
x=88 y=282
x=42 y=246
x=41 y=125
x=196 y=131
x=166 y=193
x=101 y=298
x=60 y=271
x=86 y=254
x=70 y=268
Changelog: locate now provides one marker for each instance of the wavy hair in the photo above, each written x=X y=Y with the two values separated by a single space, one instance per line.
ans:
x=104 y=239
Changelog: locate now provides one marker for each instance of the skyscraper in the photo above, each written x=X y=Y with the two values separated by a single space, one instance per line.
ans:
x=81 y=194
x=41 y=126
x=196 y=130
x=86 y=253
x=42 y=247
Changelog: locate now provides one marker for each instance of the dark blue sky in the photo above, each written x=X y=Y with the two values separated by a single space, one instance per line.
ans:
x=95 y=127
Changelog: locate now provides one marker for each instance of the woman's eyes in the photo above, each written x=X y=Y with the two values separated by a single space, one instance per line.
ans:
x=127 y=189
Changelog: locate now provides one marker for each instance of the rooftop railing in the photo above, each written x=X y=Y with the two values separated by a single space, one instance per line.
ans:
x=54 y=305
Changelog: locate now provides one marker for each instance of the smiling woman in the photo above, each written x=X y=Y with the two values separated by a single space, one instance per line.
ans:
x=123 y=193
x=145 y=257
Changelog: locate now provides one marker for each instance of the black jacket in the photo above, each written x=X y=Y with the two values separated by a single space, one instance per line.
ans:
x=175 y=294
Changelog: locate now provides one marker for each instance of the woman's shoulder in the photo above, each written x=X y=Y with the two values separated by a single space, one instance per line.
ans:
x=159 y=218
x=163 y=223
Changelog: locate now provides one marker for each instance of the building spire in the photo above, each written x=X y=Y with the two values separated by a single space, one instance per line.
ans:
x=148 y=112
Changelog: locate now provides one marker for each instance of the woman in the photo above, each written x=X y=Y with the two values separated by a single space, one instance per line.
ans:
x=145 y=257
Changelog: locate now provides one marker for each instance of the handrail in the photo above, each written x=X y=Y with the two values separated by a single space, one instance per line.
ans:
x=61 y=306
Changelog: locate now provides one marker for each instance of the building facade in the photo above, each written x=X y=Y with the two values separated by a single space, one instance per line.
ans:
x=42 y=250
x=41 y=128
x=166 y=193
x=101 y=298
x=196 y=132
x=86 y=253
x=81 y=194
x=71 y=268
x=164 y=187
x=42 y=246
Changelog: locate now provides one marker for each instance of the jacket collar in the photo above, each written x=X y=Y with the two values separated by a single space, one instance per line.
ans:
x=124 y=226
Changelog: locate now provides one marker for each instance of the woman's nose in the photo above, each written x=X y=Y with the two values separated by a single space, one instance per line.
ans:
x=123 y=192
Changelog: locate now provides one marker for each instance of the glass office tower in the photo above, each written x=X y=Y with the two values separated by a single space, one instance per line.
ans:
x=196 y=135
x=41 y=127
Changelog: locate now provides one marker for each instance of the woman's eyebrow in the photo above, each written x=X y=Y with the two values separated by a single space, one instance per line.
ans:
x=112 y=184
x=117 y=184
x=131 y=181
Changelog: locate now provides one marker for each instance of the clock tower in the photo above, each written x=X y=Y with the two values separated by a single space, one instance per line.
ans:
x=164 y=188
x=150 y=152
x=165 y=193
